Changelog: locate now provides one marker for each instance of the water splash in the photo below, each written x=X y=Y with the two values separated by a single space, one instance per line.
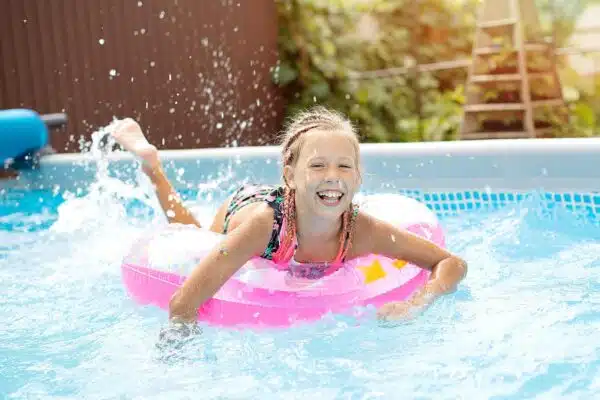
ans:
x=108 y=198
x=523 y=324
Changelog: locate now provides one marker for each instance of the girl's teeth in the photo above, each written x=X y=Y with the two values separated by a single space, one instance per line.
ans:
x=330 y=194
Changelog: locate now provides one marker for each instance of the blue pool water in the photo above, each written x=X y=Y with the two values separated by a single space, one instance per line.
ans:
x=523 y=325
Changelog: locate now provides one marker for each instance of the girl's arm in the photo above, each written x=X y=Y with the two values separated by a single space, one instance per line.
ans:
x=247 y=240
x=169 y=199
x=447 y=269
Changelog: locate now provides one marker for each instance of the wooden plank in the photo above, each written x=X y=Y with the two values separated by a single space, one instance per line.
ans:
x=495 y=78
x=499 y=23
x=490 y=50
x=494 y=107
x=448 y=65
x=506 y=77
x=550 y=103
x=518 y=34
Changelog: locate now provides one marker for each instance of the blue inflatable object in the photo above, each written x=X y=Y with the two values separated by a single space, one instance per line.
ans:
x=21 y=132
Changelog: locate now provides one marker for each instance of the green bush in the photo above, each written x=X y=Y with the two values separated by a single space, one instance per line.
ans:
x=323 y=43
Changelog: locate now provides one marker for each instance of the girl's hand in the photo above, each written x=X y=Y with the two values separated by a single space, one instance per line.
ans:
x=447 y=270
x=176 y=333
x=443 y=280
x=397 y=310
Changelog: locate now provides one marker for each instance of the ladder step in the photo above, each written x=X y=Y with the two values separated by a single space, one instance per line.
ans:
x=481 y=51
x=494 y=107
x=497 y=23
x=505 y=77
x=495 y=135
x=495 y=78
x=474 y=108
x=551 y=103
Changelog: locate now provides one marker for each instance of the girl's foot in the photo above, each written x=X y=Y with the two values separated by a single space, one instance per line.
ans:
x=129 y=135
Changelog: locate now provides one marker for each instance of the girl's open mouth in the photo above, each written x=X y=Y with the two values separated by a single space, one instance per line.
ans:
x=330 y=197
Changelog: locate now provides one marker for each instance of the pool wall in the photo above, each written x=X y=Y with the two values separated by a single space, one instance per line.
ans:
x=448 y=176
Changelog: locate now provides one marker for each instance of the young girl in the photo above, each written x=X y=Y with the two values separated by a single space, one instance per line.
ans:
x=310 y=220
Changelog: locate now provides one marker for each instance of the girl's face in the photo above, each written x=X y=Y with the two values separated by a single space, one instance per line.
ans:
x=326 y=175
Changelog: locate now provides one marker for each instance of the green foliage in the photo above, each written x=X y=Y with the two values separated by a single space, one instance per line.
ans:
x=324 y=43
x=327 y=45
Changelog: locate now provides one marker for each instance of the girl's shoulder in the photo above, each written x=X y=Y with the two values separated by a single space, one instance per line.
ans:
x=258 y=213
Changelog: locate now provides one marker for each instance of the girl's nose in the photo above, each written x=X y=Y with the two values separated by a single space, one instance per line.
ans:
x=332 y=176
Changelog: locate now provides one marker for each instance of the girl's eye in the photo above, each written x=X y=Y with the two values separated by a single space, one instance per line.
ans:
x=316 y=165
x=345 y=166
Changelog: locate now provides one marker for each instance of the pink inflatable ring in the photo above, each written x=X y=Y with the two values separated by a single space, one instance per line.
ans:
x=260 y=295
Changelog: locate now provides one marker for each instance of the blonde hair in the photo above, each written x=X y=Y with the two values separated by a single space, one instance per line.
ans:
x=320 y=118
x=317 y=117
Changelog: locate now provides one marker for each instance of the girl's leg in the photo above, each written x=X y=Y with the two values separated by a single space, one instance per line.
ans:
x=129 y=135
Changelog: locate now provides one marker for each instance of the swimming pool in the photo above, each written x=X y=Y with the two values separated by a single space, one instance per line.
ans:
x=523 y=325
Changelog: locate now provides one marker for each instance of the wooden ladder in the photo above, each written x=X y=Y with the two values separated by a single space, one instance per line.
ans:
x=509 y=31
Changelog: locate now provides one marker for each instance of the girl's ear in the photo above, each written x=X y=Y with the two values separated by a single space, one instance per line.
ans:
x=288 y=176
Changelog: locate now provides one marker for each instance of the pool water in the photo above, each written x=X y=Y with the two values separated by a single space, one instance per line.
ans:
x=523 y=325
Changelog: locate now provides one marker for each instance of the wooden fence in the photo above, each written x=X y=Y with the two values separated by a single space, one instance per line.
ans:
x=194 y=73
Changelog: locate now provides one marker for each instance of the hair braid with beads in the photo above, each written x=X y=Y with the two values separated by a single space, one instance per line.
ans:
x=315 y=118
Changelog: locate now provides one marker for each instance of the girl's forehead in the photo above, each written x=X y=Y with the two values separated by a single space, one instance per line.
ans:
x=324 y=142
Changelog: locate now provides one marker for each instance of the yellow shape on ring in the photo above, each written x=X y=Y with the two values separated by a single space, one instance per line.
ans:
x=399 y=264
x=373 y=272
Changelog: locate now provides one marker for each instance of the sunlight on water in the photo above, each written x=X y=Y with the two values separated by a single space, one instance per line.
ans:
x=523 y=325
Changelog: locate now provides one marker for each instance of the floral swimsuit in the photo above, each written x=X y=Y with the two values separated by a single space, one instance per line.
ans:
x=274 y=197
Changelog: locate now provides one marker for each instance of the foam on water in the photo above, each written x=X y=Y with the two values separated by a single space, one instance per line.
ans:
x=523 y=325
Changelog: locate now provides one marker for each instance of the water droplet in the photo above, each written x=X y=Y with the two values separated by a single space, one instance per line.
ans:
x=113 y=72
x=101 y=41
x=171 y=110
x=219 y=125
x=143 y=30
x=161 y=15
x=140 y=4
x=152 y=63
